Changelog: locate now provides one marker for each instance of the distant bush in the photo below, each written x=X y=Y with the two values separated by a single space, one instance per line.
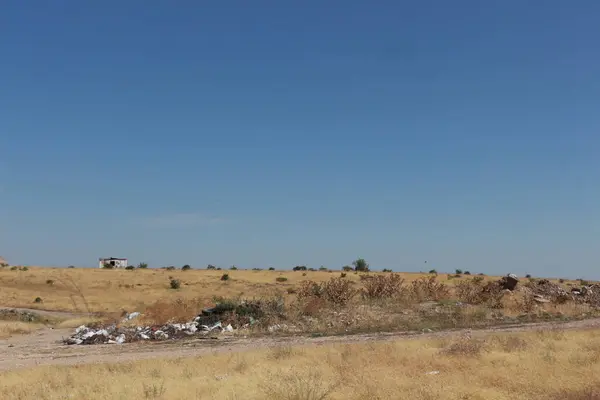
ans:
x=233 y=268
x=312 y=269
x=478 y=279
x=142 y=265
x=186 y=267
x=175 y=283
x=211 y=267
x=14 y=268
x=281 y=279
x=387 y=270
x=300 y=268
x=561 y=280
x=347 y=268
x=108 y=266
x=170 y=268
x=271 y=269
x=459 y=272
x=322 y=268
x=304 y=274
x=225 y=277
x=50 y=282
x=129 y=267
x=467 y=273
x=37 y=300
x=528 y=276
x=343 y=275
x=24 y=268
x=256 y=269
x=3 y=265
x=361 y=265
x=433 y=271
x=71 y=266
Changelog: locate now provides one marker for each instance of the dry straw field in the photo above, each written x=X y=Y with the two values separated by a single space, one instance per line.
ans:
x=544 y=364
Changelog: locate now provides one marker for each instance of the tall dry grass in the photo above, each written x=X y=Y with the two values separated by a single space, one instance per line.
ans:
x=544 y=365
x=98 y=290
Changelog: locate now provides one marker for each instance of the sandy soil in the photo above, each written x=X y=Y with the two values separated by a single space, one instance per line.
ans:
x=45 y=347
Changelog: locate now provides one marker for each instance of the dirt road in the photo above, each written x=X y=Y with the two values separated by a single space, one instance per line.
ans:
x=45 y=346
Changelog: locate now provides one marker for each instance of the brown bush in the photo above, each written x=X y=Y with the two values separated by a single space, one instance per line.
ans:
x=337 y=291
x=465 y=346
x=383 y=287
x=428 y=288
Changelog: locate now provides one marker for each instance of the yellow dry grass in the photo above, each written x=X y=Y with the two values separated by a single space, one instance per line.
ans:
x=98 y=290
x=11 y=328
x=535 y=365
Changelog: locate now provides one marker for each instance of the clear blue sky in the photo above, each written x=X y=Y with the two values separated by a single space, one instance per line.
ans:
x=277 y=133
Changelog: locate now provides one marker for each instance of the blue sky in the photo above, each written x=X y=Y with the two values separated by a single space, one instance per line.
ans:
x=277 y=133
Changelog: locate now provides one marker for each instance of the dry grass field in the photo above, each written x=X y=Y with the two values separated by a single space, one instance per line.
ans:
x=103 y=290
x=99 y=290
x=547 y=365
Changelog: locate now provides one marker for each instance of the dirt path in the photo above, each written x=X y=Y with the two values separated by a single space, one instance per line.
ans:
x=45 y=347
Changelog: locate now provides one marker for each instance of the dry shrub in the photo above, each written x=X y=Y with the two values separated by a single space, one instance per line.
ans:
x=313 y=306
x=428 y=288
x=510 y=343
x=591 y=392
x=469 y=292
x=465 y=346
x=281 y=352
x=336 y=291
x=383 y=287
x=179 y=310
x=297 y=385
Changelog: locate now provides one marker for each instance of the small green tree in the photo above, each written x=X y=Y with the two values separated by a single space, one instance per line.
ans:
x=186 y=267
x=459 y=271
x=142 y=265
x=433 y=271
x=210 y=266
x=233 y=268
x=361 y=265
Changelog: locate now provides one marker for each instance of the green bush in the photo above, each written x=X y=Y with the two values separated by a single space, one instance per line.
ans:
x=271 y=269
x=387 y=270
x=142 y=265
x=281 y=279
x=433 y=271
x=322 y=268
x=175 y=283
x=225 y=277
x=186 y=267
x=37 y=300
x=467 y=273
x=129 y=267
x=233 y=268
x=211 y=267
x=459 y=272
x=361 y=265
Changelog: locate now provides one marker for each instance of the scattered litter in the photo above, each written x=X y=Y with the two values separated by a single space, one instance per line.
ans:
x=223 y=317
x=130 y=316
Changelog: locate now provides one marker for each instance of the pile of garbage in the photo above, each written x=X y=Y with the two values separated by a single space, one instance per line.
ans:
x=219 y=319
x=118 y=335
x=545 y=291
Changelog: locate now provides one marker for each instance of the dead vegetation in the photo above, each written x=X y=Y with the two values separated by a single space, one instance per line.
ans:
x=547 y=365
